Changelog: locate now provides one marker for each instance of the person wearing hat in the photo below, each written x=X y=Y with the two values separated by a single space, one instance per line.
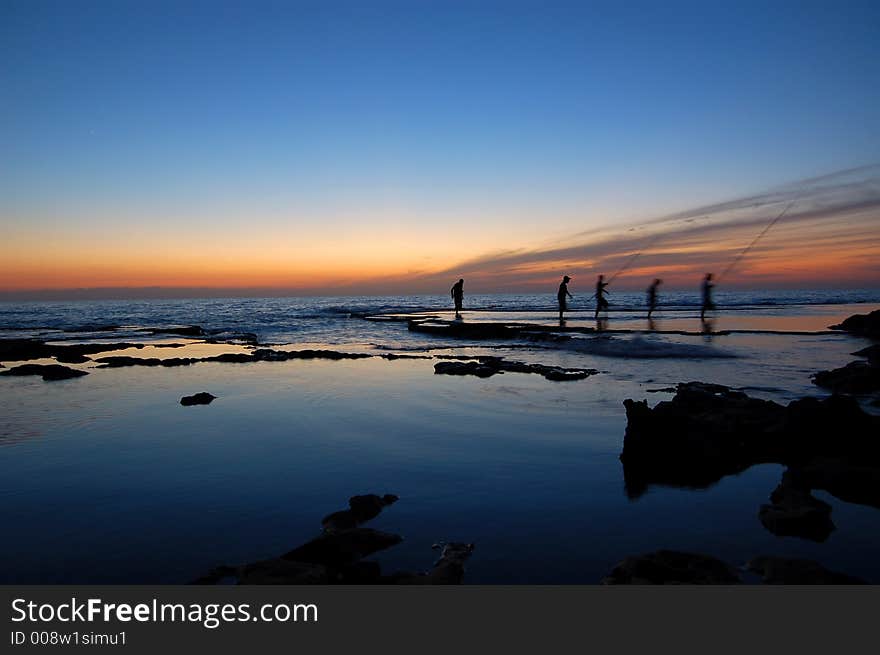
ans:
x=561 y=296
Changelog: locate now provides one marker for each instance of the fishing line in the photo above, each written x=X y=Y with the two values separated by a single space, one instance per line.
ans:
x=756 y=239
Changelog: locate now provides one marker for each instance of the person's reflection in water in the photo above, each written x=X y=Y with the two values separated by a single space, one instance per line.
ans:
x=561 y=297
x=457 y=293
x=707 y=328
x=601 y=323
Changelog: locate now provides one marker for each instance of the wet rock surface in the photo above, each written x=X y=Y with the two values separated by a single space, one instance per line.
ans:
x=794 y=512
x=488 y=366
x=708 y=431
x=49 y=372
x=864 y=325
x=671 y=567
x=336 y=555
x=856 y=377
x=75 y=353
x=201 y=398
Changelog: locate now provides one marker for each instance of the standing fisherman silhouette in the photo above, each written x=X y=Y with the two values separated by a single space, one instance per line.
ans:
x=601 y=302
x=457 y=293
x=652 y=296
x=561 y=297
x=708 y=305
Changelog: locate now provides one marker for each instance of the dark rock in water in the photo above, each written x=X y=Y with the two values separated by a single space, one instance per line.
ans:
x=334 y=549
x=782 y=570
x=202 y=398
x=336 y=557
x=704 y=433
x=486 y=366
x=854 y=480
x=49 y=372
x=321 y=354
x=75 y=353
x=561 y=375
x=866 y=325
x=872 y=353
x=183 y=331
x=794 y=512
x=671 y=567
x=708 y=431
x=448 y=570
x=465 y=368
x=361 y=509
x=461 y=330
x=855 y=377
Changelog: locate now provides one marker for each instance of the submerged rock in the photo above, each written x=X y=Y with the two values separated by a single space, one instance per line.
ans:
x=336 y=556
x=361 y=509
x=865 y=325
x=344 y=547
x=783 y=570
x=487 y=366
x=201 y=398
x=794 y=512
x=871 y=353
x=74 y=353
x=49 y=372
x=856 y=377
x=708 y=431
x=465 y=368
x=671 y=567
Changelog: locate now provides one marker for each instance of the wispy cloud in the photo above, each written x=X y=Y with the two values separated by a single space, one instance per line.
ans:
x=833 y=219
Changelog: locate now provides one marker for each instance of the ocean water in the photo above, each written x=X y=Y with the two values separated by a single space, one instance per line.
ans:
x=107 y=479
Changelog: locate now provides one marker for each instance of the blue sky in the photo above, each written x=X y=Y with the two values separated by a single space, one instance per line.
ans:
x=528 y=119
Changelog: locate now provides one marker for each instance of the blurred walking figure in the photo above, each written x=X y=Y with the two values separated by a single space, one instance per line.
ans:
x=708 y=305
x=652 y=296
x=457 y=293
x=562 y=296
x=601 y=302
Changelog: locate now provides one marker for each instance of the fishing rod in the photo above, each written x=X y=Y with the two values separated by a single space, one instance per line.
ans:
x=756 y=239
x=629 y=262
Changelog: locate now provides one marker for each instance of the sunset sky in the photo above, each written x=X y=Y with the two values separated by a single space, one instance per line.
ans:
x=393 y=147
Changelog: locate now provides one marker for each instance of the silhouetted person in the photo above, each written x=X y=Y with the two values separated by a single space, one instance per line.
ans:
x=601 y=302
x=457 y=293
x=562 y=296
x=708 y=305
x=652 y=296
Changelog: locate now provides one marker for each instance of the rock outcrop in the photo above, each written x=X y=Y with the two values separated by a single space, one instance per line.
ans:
x=49 y=372
x=863 y=325
x=671 y=567
x=337 y=555
x=488 y=366
x=201 y=398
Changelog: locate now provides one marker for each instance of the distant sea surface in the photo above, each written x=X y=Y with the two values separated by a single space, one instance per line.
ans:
x=326 y=319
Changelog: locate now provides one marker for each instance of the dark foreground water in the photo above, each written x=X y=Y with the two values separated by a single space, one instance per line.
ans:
x=106 y=478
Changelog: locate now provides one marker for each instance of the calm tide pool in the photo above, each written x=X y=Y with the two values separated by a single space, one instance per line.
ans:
x=107 y=479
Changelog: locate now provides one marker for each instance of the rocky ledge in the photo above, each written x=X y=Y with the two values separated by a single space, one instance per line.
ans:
x=863 y=325
x=488 y=366
x=708 y=431
x=49 y=372
x=337 y=555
